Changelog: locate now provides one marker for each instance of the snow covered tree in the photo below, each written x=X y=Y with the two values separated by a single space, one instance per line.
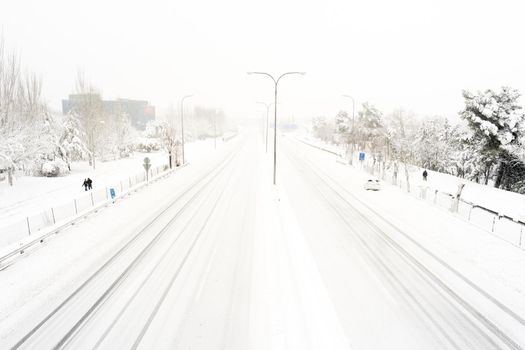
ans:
x=497 y=123
x=50 y=160
x=369 y=132
x=322 y=129
x=344 y=133
x=23 y=116
x=124 y=134
x=170 y=142
x=72 y=140
x=88 y=109
x=432 y=146
x=401 y=130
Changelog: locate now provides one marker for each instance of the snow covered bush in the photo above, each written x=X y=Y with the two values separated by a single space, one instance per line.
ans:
x=52 y=168
x=323 y=130
x=147 y=145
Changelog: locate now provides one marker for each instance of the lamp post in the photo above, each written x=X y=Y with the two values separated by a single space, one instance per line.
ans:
x=276 y=82
x=267 y=105
x=215 y=130
x=182 y=123
x=353 y=121
x=101 y=122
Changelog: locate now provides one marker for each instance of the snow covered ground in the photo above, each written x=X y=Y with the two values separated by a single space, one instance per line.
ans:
x=217 y=257
x=31 y=198
x=501 y=204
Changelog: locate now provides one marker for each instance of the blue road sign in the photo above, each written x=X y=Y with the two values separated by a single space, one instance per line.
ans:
x=112 y=193
x=361 y=155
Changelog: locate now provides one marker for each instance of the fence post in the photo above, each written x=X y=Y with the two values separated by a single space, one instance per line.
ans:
x=107 y=195
x=92 y=201
x=423 y=192
x=53 y=215
x=76 y=207
x=28 y=226
x=470 y=212
x=493 y=223
x=130 y=182
x=521 y=236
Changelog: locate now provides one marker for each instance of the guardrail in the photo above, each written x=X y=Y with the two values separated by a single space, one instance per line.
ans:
x=504 y=226
x=319 y=147
x=35 y=223
x=228 y=138
x=8 y=257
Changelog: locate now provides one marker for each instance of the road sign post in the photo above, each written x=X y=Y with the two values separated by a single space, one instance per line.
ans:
x=362 y=159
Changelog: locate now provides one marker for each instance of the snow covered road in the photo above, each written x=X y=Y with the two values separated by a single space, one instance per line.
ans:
x=401 y=291
x=215 y=257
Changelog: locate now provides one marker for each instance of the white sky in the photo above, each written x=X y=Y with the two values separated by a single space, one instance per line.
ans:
x=418 y=54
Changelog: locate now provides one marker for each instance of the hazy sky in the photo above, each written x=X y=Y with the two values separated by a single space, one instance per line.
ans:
x=418 y=54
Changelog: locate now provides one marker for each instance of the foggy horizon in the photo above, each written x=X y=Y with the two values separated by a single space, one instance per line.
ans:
x=418 y=55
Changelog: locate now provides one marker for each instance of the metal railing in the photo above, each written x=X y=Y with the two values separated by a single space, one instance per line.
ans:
x=504 y=226
x=56 y=214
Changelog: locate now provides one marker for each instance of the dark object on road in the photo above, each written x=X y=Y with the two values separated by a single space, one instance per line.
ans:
x=372 y=184
x=90 y=183
x=85 y=184
x=425 y=174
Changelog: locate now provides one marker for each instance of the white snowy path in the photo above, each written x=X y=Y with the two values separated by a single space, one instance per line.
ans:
x=215 y=257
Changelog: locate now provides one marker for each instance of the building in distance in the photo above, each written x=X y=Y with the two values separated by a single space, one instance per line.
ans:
x=140 y=112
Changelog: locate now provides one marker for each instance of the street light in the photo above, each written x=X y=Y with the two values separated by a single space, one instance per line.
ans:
x=182 y=122
x=215 y=130
x=353 y=119
x=267 y=105
x=101 y=122
x=276 y=82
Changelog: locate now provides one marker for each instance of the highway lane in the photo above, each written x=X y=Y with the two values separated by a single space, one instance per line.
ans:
x=400 y=303
x=236 y=263
x=136 y=264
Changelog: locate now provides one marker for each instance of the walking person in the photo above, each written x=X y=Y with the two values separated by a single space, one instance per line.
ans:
x=90 y=183
x=425 y=174
x=85 y=184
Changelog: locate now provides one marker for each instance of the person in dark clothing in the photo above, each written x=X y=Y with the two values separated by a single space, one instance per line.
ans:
x=85 y=184
x=425 y=174
x=90 y=183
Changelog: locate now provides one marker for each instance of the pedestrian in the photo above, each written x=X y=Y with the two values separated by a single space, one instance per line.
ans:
x=90 y=183
x=85 y=184
x=425 y=174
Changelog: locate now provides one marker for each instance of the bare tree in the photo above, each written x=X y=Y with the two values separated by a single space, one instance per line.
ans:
x=9 y=85
x=21 y=106
x=400 y=140
x=88 y=107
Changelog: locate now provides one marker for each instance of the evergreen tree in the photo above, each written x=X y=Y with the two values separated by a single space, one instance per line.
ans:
x=496 y=121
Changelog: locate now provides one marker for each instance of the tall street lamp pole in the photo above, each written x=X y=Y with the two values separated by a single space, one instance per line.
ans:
x=267 y=105
x=182 y=123
x=215 y=131
x=276 y=82
x=353 y=121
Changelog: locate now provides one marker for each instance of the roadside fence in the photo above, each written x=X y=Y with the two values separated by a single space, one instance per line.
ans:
x=510 y=229
x=35 y=222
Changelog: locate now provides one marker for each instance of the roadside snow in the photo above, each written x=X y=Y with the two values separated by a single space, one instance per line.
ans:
x=34 y=196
